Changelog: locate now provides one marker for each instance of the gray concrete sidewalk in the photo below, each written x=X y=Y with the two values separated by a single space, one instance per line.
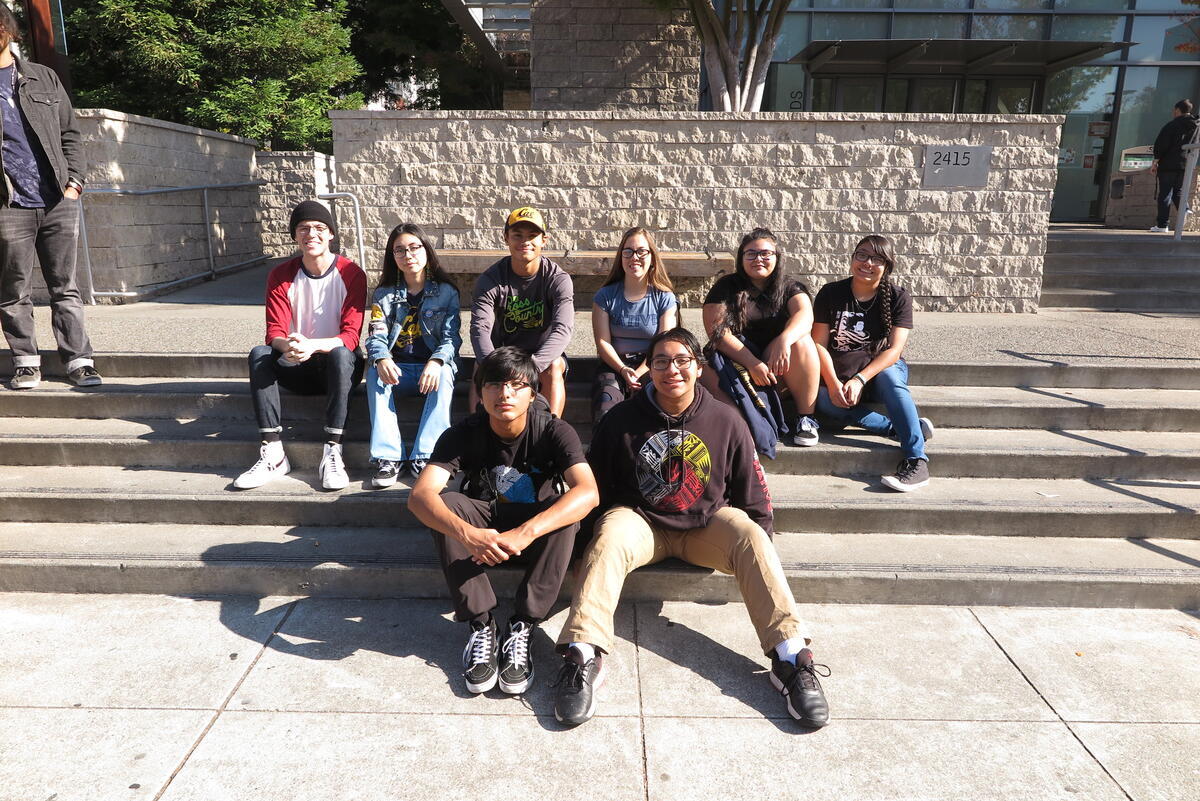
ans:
x=127 y=697
x=226 y=316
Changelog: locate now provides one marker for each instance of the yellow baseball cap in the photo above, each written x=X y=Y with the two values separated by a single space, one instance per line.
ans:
x=526 y=214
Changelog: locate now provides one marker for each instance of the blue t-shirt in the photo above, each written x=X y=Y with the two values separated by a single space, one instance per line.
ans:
x=29 y=171
x=633 y=324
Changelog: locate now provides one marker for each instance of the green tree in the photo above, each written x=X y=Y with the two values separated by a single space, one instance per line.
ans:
x=265 y=69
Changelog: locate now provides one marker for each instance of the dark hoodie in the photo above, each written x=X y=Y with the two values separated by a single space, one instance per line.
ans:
x=677 y=472
x=1168 y=146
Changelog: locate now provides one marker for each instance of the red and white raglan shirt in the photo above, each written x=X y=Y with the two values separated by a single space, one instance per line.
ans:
x=317 y=308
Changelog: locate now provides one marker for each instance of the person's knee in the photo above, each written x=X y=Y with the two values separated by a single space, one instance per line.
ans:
x=892 y=378
x=342 y=358
x=555 y=371
x=259 y=352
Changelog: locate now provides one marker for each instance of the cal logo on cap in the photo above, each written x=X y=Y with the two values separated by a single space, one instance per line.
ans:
x=526 y=214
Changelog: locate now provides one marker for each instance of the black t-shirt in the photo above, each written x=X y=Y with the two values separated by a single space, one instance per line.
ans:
x=764 y=324
x=410 y=346
x=519 y=471
x=856 y=332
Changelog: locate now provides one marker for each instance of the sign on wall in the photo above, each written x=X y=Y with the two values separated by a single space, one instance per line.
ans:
x=949 y=166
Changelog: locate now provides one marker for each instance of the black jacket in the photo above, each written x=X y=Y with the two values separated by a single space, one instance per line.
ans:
x=1168 y=146
x=677 y=472
x=52 y=119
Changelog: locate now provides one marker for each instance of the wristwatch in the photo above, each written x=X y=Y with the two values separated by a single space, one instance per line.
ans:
x=76 y=184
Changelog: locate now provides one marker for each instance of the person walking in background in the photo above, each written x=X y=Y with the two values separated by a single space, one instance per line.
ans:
x=412 y=346
x=1170 y=160
x=314 y=312
x=44 y=165
x=861 y=326
x=636 y=302
x=528 y=301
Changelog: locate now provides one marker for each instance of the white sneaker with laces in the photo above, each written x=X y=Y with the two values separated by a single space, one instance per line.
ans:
x=331 y=470
x=1159 y=230
x=272 y=463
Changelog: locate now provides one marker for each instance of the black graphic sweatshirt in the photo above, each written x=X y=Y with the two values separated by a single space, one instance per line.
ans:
x=678 y=472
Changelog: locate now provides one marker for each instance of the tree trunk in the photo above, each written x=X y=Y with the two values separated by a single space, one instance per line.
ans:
x=738 y=49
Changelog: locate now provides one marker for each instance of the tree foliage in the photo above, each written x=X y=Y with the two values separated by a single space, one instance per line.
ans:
x=265 y=69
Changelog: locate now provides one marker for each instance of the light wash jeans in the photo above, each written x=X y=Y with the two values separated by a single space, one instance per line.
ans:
x=385 y=426
x=890 y=388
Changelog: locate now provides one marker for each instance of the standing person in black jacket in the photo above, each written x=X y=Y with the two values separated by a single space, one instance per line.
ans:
x=679 y=476
x=1169 y=160
x=43 y=164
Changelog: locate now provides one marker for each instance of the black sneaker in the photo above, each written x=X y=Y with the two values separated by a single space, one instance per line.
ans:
x=799 y=685
x=910 y=474
x=416 y=466
x=516 y=663
x=479 y=658
x=385 y=475
x=577 y=683
x=85 y=376
x=804 y=434
x=25 y=378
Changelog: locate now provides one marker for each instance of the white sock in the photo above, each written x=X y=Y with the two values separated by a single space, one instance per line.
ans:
x=790 y=648
x=275 y=448
x=586 y=651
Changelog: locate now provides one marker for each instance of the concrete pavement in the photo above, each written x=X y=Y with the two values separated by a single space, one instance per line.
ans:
x=275 y=698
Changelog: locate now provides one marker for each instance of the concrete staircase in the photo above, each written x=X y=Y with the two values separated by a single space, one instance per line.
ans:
x=1054 y=485
x=1121 y=271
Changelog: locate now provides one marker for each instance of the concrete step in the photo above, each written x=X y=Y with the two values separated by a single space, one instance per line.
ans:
x=192 y=560
x=1063 y=371
x=1122 y=299
x=1142 y=245
x=950 y=406
x=1180 y=264
x=1166 y=284
x=984 y=506
x=959 y=452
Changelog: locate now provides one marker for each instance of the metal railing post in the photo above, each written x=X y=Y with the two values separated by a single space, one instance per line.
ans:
x=212 y=262
x=87 y=255
x=1185 y=195
x=358 y=235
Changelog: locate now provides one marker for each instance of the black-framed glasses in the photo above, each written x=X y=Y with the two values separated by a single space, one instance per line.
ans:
x=412 y=249
x=873 y=259
x=754 y=255
x=661 y=363
x=514 y=386
x=629 y=253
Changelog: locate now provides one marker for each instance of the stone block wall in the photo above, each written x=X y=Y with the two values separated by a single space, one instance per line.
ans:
x=700 y=180
x=136 y=242
x=600 y=54
x=291 y=176
x=1136 y=208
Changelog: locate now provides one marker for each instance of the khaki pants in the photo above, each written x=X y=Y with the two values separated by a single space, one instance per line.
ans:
x=732 y=543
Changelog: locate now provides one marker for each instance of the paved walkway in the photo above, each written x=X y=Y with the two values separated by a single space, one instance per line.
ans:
x=127 y=697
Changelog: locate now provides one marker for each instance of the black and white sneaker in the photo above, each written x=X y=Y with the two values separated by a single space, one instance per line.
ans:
x=85 y=376
x=798 y=683
x=910 y=474
x=416 y=466
x=480 y=661
x=577 y=683
x=805 y=434
x=516 y=663
x=25 y=378
x=385 y=473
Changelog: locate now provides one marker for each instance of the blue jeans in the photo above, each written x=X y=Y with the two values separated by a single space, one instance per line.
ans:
x=890 y=388
x=385 y=426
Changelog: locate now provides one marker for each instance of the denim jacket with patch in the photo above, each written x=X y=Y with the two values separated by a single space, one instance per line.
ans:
x=439 y=319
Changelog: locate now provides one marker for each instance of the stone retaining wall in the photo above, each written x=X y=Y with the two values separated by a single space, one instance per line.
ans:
x=291 y=176
x=1136 y=208
x=137 y=242
x=700 y=180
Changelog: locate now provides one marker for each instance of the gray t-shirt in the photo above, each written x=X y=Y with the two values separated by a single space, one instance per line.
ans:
x=632 y=324
x=535 y=314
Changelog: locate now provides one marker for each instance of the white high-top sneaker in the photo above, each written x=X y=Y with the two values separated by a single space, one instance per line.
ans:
x=331 y=470
x=272 y=463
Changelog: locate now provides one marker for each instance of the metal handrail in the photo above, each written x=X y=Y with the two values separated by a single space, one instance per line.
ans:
x=1185 y=203
x=212 y=271
x=358 y=236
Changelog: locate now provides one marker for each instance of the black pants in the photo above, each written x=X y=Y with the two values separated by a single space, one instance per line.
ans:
x=1170 y=189
x=609 y=388
x=332 y=374
x=545 y=560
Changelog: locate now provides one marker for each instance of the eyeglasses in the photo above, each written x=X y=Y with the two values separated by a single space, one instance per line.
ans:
x=316 y=228
x=411 y=249
x=870 y=258
x=629 y=253
x=512 y=386
x=754 y=255
x=661 y=363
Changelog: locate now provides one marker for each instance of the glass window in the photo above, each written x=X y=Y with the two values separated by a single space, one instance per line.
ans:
x=896 y=99
x=822 y=98
x=1008 y=26
x=1165 y=39
x=1148 y=97
x=860 y=94
x=1081 y=89
x=849 y=26
x=933 y=4
x=929 y=26
x=932 y=95
x=1090 y=28
x=1092 y=5
x=1085 y=96
x=1165 y=5
x=787 y=87
x=974 y=96
x=1012 y=96
x=793 y=37
x=1016 y=4
x=852 y=4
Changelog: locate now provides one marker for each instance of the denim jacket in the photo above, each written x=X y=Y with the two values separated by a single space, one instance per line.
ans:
x=440 y=321
x=52 y=120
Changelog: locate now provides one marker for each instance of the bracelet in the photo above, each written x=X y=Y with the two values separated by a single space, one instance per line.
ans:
x=861 y=380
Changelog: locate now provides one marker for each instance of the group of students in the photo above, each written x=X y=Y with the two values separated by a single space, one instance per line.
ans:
x=672 y=468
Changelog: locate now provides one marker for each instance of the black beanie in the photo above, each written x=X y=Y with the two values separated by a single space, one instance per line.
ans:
x=311 y=210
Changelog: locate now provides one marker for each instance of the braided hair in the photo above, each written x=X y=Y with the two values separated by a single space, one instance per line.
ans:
x=882 y=247
x=770 y=298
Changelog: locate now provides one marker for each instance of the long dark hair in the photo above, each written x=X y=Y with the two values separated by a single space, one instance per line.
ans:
x=770 y=298
x=882 y=247
x=391 y=271
x=656 y=276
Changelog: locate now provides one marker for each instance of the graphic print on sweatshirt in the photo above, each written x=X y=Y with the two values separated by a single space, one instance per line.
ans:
x=850 y=332
x=513 y=486
x=524 y=313
x=673 y=468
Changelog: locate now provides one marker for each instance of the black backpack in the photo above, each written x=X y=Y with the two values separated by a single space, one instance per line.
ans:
x=477 y=483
